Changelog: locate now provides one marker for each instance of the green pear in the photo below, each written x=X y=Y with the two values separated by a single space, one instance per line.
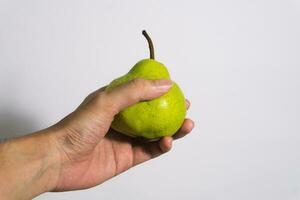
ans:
x=155 y=118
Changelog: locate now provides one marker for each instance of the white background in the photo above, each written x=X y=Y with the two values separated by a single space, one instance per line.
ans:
x=238 y=62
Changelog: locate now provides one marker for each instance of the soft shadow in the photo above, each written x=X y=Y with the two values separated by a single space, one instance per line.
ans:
x=15 y=123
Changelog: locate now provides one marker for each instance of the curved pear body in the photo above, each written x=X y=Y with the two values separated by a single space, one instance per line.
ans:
x=155 y=118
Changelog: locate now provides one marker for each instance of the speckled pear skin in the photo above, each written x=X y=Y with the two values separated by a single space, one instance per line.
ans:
x=155 y=118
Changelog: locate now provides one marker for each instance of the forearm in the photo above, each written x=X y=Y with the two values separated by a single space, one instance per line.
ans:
x=29 y=166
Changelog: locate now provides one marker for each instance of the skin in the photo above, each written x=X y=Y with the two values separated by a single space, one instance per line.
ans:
x=81 y=151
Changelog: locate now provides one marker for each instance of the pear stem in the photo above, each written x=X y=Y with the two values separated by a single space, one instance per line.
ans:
x=151 y=47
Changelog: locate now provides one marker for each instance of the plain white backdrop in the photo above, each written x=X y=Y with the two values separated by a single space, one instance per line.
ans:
x=238 y=61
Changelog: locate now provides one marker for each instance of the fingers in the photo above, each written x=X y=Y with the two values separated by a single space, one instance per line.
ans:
x=143 y=151
x=134 y=91
x=146 y=151
x=187 y=127
x=165 y=144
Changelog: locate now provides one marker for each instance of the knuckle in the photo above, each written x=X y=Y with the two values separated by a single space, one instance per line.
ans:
x=102 y=100
x=97 y=101
x=103 y=105
x=87 y=100
x=138 y=83
x=106 y=103
x=90 y=96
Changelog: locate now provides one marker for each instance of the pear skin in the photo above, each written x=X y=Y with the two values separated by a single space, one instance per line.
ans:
x=155 y=118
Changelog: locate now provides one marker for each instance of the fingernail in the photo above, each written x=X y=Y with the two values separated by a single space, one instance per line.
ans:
x=163 y=84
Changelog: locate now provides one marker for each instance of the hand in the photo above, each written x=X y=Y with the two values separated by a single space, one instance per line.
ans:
x=91 y=152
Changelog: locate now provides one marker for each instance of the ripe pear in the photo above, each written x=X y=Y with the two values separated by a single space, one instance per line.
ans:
x=155 y=118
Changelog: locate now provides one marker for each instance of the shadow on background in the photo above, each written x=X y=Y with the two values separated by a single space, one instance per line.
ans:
x=14 y=123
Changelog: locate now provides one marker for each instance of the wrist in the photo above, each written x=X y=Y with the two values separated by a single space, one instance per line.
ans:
x=30 y=165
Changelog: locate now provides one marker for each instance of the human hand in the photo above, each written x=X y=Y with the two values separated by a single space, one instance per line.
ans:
x=91 y=152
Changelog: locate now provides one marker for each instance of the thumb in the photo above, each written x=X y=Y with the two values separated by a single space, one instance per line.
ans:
x=134 y=91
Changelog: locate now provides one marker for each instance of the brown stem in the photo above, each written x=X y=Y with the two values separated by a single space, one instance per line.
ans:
x=151 y=47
